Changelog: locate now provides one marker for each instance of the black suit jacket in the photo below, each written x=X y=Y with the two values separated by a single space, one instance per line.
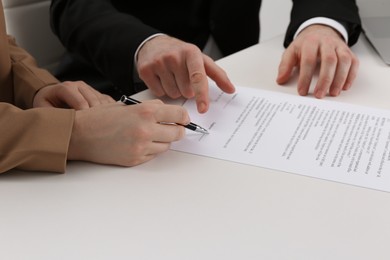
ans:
x=107 y=33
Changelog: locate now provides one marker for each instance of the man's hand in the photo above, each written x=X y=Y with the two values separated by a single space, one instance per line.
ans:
x=174 y=68
x=319 y=43
x=77 y=95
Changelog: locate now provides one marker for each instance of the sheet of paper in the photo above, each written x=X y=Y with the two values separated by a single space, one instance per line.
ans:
x=318 y=138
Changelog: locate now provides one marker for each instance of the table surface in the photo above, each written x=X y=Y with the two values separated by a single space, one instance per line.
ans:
x=182 y=206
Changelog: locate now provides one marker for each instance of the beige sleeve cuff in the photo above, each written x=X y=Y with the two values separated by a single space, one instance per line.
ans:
x=35 y=139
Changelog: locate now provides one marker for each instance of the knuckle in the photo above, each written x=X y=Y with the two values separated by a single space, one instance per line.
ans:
x=326 y=81
x=157 y=91
x=309 y=60
x=306 y=78
x=355 y=60
x=158 y=101
x=196 y=77
x=180 y=133
x=141 y=137
x=144 y=70
x=179 y=114
x=345 y=58
x=172 y=91
x=330 y=59
x=80 y=82
x=146 y=112
x=132 y=162
x=184 y=115
x=352 y=76
x=190 y=48
x=174 y=94
x=172 y=60
x=345 y=55
x=66 y=83
x=138 y=150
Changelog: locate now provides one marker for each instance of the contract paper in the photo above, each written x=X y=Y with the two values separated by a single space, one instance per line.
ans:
x=319 y=138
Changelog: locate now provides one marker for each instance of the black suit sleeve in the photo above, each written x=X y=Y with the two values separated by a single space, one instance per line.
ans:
x=344 y=11
x=97 y=32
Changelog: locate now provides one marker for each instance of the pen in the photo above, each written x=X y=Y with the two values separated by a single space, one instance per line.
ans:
x=194 y=127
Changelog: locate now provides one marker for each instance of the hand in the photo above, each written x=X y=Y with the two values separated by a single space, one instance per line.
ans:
x=174 y=68
x=338 y=64
x=125 y=135
x=77 y=95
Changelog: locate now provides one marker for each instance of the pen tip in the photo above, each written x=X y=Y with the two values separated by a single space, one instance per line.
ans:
x=203 y=130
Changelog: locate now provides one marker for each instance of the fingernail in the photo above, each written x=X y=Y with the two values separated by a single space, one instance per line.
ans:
x=282 y=69
x=202 y=107
x=317 y=93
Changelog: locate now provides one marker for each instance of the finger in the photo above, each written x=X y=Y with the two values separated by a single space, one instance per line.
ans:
x=183 y=82
x=327 y=71
x=168 y=82
x=152 y=80
x=307 y=67
x=176 y=64
x=73 y=98
x=168 y=132
x=142 y=152
x=218 y=75
x=344 y=62
x=198 y=80
x=139 y=160
x=172 y=114
x=106 y=99
x=153 y=101
x=44 y=103
x=156 y=148
x=89 y=94
x=289 y=61
x=352 y=73
x=103 y=98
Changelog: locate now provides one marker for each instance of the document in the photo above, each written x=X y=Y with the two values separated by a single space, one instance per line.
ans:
x=313 y=137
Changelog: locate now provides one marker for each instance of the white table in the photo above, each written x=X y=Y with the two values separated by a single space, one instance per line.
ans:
x=181 y=206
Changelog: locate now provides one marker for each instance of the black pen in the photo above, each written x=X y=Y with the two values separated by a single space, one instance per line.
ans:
x=194 y=127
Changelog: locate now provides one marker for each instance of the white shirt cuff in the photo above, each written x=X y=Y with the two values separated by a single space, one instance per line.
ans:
x=325 y=21
x=142 y=44
x=135 y=74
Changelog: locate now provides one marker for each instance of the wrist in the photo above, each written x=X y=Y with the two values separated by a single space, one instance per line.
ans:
x=76 y=140
x=143 y=43
x=324 y=21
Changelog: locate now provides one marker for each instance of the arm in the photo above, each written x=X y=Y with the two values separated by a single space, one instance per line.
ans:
x=109 y=40
x=323 y=45
x=343 y=11
x=106 y=38
x=34 y=139
x=174 y=68
x=43 y=139
x=27 y=78
x=37 y=139
x=36 y=87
